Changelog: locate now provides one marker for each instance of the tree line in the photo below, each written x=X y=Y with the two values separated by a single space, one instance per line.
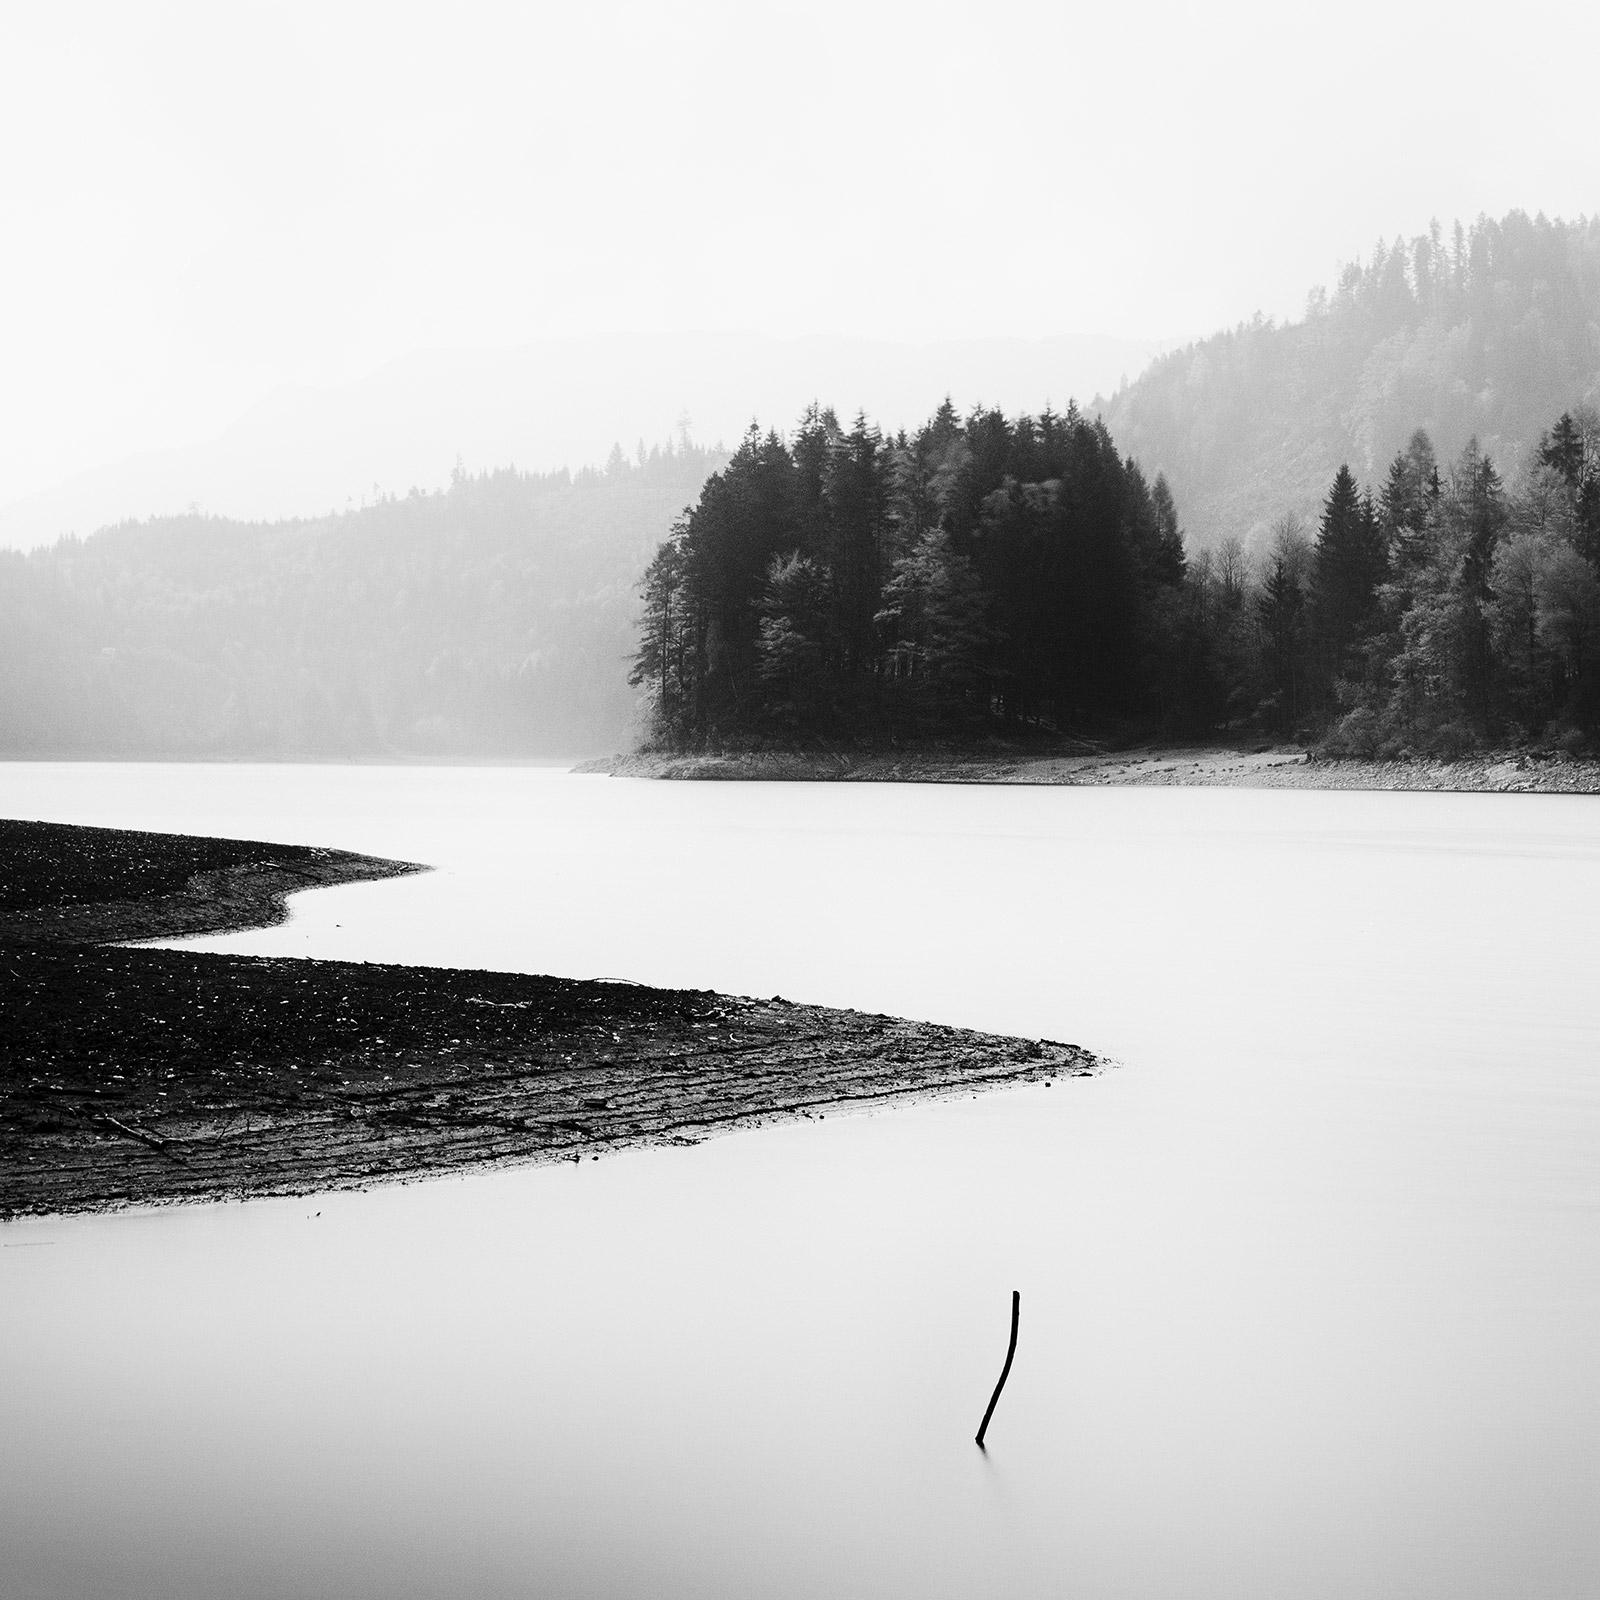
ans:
x=839 y=583
x=995 y=573
x=1446 y=612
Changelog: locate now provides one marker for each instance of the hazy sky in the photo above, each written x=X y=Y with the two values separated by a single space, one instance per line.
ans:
x=205 y=202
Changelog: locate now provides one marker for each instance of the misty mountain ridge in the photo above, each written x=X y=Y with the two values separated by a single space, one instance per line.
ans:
x=305 y=452
x=491 y=619
x=1492 y=331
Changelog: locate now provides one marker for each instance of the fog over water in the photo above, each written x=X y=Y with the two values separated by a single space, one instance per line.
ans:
x=1309 y=1281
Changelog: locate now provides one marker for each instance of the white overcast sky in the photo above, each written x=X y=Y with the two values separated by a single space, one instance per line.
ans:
x=205 y=202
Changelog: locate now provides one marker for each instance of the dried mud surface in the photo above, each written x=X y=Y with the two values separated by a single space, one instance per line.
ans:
x=134 y=1076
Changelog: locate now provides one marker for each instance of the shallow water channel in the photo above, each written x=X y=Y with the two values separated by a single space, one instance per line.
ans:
x=1310 y=1282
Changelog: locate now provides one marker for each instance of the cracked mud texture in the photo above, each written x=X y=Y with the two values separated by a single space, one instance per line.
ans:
x=133 y=1076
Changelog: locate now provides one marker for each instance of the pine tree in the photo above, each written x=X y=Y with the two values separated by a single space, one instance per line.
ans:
x=1169 y=557
x=1281 y=616
x=1348 y=565
x=1409 y=502
x=854 y=495
x=659 y=666
x=1562 y=448
x=1477 y=503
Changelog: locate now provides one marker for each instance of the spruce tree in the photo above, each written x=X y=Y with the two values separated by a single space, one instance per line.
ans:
x=1347 y=567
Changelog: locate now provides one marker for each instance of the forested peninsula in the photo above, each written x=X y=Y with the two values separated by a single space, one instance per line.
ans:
x=1018 y=575
x=838 y=583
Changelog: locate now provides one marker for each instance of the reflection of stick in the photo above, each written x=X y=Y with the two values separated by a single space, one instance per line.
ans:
x=1005 y=1371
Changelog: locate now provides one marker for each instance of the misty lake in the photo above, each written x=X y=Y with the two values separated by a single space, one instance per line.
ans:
x=1310 y=1281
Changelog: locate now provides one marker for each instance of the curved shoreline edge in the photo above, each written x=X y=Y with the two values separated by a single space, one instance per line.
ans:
x=227 y=900
x=138 y=1076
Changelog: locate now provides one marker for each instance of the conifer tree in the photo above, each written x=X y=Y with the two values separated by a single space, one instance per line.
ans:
x=659 y=665
x=1348 y=566
x=1281 y=614
x=1477 y=503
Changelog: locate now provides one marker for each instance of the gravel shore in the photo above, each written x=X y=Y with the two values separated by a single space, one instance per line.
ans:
x=1274 y=767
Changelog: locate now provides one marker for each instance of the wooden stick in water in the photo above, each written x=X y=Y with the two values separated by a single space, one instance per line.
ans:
x=1005 y=1371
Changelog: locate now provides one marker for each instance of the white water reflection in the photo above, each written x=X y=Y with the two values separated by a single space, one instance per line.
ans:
x=1309 y=1286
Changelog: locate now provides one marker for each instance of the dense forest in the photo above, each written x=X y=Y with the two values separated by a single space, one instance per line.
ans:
x=1484 y=332
x=1445 y=611
x=995 y=574
x=492 y=618
x=842 y=584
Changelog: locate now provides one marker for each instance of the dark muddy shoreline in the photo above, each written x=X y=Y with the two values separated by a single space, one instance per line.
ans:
x=135 y=1076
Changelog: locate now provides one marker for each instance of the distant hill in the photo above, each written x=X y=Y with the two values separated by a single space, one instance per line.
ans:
x=1493 y=331
x=562 y=402
x=494 y=618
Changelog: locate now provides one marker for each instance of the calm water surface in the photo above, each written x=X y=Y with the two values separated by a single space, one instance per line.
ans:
x=1310 y=1282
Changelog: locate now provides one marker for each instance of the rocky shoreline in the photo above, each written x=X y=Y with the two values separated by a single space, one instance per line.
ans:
x=1268 y=767
x=137 y=1076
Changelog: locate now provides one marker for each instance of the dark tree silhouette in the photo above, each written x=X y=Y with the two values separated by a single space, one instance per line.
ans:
x=836 y=584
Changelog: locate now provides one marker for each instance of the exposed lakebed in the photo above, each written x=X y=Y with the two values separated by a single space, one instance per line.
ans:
x=147 y=1075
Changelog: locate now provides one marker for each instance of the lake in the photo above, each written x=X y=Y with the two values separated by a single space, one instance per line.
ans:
x=1310 y=1280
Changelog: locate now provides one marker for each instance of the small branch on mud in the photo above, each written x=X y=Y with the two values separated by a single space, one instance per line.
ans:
x=156 y=1144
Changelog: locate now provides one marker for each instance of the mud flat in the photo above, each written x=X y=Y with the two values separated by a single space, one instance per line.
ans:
x=135 y=1076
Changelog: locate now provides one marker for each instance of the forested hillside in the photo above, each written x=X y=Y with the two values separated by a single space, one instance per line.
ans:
x=494 y=618
x=1488 y=332
x=838 y=584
